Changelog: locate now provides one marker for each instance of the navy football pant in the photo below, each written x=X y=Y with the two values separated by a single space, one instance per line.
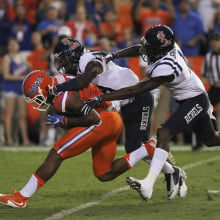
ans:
x=137 y=120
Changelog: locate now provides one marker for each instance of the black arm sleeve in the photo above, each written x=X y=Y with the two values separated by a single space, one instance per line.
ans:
x=71 y=85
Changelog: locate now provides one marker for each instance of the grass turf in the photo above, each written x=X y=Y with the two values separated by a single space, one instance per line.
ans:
x=74 y=185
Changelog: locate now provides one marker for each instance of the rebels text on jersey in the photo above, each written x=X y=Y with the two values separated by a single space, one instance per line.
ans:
x=185 y=84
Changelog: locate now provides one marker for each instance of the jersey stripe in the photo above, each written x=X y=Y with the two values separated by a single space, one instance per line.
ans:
x=170 y=62
x=60 y=103
x=75 y=139
x=64 y=101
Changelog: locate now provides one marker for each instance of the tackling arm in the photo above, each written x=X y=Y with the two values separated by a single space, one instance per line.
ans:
x=132 y=51
x=144 y=85
x=92 y=69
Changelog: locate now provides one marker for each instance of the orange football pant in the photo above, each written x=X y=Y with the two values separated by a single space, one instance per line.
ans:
x=101 y=139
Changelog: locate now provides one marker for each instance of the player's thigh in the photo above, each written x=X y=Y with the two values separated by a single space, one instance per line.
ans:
x=77 y=140
x=187 y=114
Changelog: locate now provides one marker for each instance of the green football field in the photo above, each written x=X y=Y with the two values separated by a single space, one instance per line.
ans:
x=74 y=193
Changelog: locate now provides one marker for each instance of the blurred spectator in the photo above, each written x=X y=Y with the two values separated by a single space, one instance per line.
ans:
x=90 y=41
x=153 y=14
x=188 y=28
x=97 y=10
x=111 y=27
x=124 y=13
x=14 y=69
x=31 y=8
x=129 y=38
x=42 y=10
x=205 y=9
x=70 y=5
x=80 y=26
x=4 y=25
x=34 y=59
x=214 y=25
x=20 y=28
x=110 y=46
x=61 y=8
x=49 y=26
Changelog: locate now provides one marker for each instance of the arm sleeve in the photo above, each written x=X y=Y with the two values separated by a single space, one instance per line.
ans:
x=71 y=85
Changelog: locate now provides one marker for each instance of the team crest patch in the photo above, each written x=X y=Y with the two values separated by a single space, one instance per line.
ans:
x=162 y=38
x=72 y=44
x=35 y=86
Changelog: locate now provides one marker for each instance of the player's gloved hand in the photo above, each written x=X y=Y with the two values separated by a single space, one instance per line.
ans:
x=53 y=90
x=111 y=56
x=56 y=120
x=52 y=93
x=90 y=104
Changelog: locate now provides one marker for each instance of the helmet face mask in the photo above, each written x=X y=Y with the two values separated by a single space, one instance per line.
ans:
x=61 y=61
x=67 y=54
x=156 y=43
x=35 y=87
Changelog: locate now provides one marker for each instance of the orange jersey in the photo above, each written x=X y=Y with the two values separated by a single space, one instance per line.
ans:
x=114 y=31
x=62 y=99
x=36 y=61
x=149 y=18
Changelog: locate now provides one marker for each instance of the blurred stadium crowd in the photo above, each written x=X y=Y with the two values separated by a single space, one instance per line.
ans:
x=29 y=29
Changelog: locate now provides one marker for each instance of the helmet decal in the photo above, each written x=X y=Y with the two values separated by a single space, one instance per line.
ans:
x=35 y=86
x=161 y=36
x=72 y=44
x=157 y=41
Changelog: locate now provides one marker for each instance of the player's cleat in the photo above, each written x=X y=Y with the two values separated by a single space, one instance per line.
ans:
x=182 y=185
x=144 y=192
x=15 y=200
x=176 y=183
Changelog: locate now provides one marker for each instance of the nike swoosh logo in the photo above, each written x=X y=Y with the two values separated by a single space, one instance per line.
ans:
x=17 y=203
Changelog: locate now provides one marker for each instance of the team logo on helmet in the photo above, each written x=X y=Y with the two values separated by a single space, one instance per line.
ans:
x=35 y=86
x=71 y=44
x=161 y=36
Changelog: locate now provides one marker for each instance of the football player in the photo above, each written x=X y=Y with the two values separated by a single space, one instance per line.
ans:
x=136 y=111
x=168 y=67
x=96 y=131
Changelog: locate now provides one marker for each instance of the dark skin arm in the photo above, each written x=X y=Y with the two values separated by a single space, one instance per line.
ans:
x=132 y=51
x=144 y=85
x=93 y=68
x=74 y=117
